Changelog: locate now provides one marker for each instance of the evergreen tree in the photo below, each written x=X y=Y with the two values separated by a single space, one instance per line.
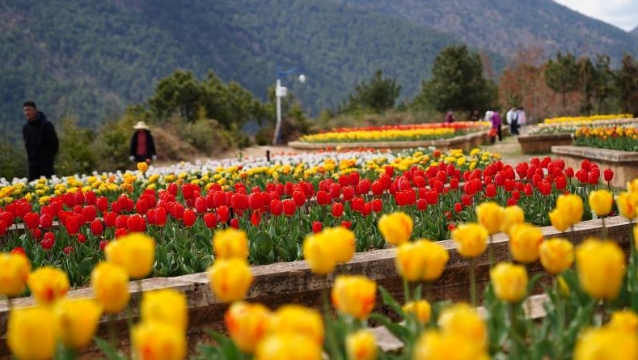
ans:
x=457 y=83
x=377 y=95
x=587 y=81
x=604 y=86
x=562 y=75
x=627 y=81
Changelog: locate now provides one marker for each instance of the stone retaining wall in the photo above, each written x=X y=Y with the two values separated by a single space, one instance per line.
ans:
x=293 y=282
x=542 y=143
x=623 y=163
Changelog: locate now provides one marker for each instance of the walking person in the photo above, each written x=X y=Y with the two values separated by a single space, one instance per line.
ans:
x=142 y=145
x=522 y=118
x=40 y=141
x=497 y=122
x=512 y=120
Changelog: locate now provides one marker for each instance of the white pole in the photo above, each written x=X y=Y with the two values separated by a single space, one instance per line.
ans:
x=278 y=125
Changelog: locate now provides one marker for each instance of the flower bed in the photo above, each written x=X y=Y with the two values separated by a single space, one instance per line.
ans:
x=389 y=133
x=542 y=143
x=572 y=126
x=586 y=119
x=608 y=137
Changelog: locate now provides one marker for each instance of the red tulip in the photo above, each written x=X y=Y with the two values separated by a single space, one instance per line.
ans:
x=389 y=170
x=317 y=226
x=18 y=250
x=337 y=209
x=490 y=191
x=458 y=207
x=276 y=208
x=45 y=221
x=608 y=175
x=210 y=220
x=594 y=177
x=421 y=204
x=135 y=223
x=120 y=232
x=377 y=205
x=346 y=224
x=363 y=187
x=298 y=197
x=223 y=214
x=357 y=204
x=36 y=233
x=432 y=197
x=89 y=213
x=73 y=223
x=335 y=191
x=102 y=204
x=120 y=221
x=377 y=188
x=31 y=220
x=234 y=223
x=367 y=209
x=289 y=207
x=97 y=228
x=103 y=244
x=255 y=218
x=160 y=216
x=323 y=198
x=48 y=241
x=189 y=217
x=172 y=189
x=569 y=172
x=81 y=238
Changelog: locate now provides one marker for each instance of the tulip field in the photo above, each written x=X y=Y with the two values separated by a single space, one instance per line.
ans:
x=413 y=132
x=104 y=230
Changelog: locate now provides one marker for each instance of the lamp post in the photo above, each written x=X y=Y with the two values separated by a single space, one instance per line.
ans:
x=281 y=92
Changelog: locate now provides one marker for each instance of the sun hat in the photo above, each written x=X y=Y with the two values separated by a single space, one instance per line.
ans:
x=140 y=125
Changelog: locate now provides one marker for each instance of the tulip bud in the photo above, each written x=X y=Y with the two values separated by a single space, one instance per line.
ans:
x=361 y=345
x=557 y=255
x=625 y=320
x=14 y=274
x=110 y=287
x=471 y=239
x=27 y=324
x=509 y=281
x=571 y=207
x=396 y=228
x=77 y=321
x=247 y=324
x=230 y=279
x=166 y=306
x=524 y=242
x=298 y=320
x=559 y=221
x=135 y=252
x=627 y=203
x=600 y=202
x=594 y=255
x=48 y=284
x=512 y=215
x=490 y=215
x=287 y=347
x=354 y=295
x=156 y=340
x=230 y=243
x=421 y=310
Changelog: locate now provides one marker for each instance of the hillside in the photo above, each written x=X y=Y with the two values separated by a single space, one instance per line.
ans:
x=504 y=26
x=634 y=31
x=90 y=59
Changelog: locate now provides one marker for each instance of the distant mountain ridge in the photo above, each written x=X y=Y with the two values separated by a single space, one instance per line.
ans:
x=91 y=59
x=634 y=31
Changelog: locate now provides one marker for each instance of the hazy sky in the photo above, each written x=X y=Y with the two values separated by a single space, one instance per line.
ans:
x=621 y=13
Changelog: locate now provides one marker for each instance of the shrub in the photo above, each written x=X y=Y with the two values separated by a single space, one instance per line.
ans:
x=75 y=155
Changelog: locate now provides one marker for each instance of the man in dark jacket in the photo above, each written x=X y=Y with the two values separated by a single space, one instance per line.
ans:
x=40 y=140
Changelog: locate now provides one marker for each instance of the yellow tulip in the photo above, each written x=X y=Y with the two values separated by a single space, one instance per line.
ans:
x=230 y=243
x=606 y=343
x=361 y=345
x=421 y=310
x=490 y=215
x=157 y=341
x=230 y=279
x=512 y=215
x=462 y=320
x=319 y=254
x=600 y=202
x=110 y=286
x=557 y=255
x=287 y=347
x=343 y=242
x=627 y=203
x=142 y=166
x=299 y=320
x=571 y=206
x=167 y=306
x=436 y=345
x=625 y=320
x=559 y=221
x=247 y=324
x=77 y=321
x=471 y=239
x=510 y=282
x=48 y=284
x=28 y=325
x=421 y=260
x=632 y=186
x=14 y=274
x=354 y=295
x=135 y=252
x=396 y=228
x=524 y=242
x=601 y=267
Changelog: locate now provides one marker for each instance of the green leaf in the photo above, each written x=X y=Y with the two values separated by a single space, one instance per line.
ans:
x=109 y=350
x=397 y=330
x=391 y=302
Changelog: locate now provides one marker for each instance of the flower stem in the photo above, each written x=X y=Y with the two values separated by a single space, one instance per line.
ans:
x=330 y=335
x=491 y=251
x=406 y=291
x=473 y=281
x=514 y=351
x=558 y=345
x=604 y=229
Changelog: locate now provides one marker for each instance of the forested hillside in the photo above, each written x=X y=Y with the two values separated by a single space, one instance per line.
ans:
x=504 y=26
x=90 y=58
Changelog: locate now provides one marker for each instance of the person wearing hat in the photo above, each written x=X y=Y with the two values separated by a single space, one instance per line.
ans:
x=142 y=145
